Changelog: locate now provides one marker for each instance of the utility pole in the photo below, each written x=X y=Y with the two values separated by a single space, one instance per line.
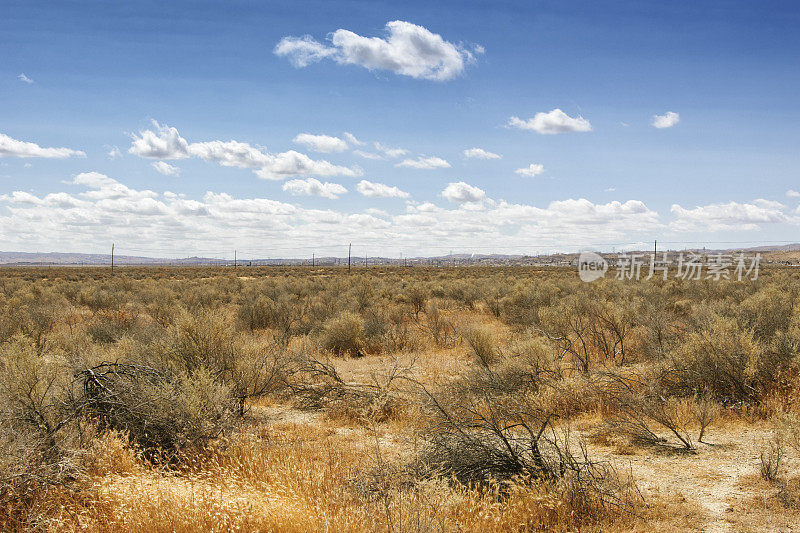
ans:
x=112 y=259
x=234 y=259
x=349 y=249
x=312 y=260
x=655 y=247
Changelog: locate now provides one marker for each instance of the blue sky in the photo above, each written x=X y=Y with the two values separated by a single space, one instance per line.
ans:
x=98 y=74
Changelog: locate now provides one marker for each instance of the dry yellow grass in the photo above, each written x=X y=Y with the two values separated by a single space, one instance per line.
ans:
x=344 y=469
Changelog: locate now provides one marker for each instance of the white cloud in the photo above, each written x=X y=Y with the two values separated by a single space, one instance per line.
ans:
x=321 y=143
x=390 y=152
x=172 y=225
x=350 y=138
x=367 y=155
x=408 y=50
x=313 y=187
x=302 y=51
x=166 y=143
x=165 y=168
x=610 y=189
x=162 y=143
x=13 y=148
x=480 y=153
x=379 y=190
x=731 y=216
x=461 y=192
x=424 y=163
x=792 y=194
x=23 y=78
x=667 y=120
x=114 y=152
x=532 y=170
x=555 y=121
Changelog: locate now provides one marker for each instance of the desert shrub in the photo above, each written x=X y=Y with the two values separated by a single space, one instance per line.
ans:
x=610 y=324
x=766 y=312
x=537 y=352
x=439 y=327
x=490 y=439
x=344 y=334
x=466 y=292
x=35 y=314
x=521 y=306
x=257 y=371
x=417 y=296
x=641 y=407
x=483 y=434
x=770 y=461
x=283 y=312
x=495 y=300
x=38 y=423
x=110 y=325
x=203 y=340
x=660 y=327
x=362 y=294
x=160 y=412
x=568 y=323
x=726 y=361
x=35 y=391
x=483 y=343
x=97 y=297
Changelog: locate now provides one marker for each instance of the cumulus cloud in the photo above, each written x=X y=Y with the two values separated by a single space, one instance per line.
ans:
x=791 y=193
x=407 y=50
x=552 y=122
x=461 y=192
x=424 y=163
x=313 y=187
x=165 y=142
x=25 y=79
x=728 y=216
x=113 y=152
x=379 y=190
x=13 y=148
x=667 y=120
x=480 y=153
x=104 y=210
x=321 y=143
x=532 y=170
x=165 y=168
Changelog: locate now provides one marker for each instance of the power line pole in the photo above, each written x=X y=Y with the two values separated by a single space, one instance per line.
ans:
x=234 y=259
x=349 y=249
x=312 y=260
x=112 y=259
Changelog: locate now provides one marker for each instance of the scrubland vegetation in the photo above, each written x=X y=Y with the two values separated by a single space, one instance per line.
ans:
x=390 y=399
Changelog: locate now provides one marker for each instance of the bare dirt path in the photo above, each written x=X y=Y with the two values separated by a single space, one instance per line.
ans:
x=717 y=478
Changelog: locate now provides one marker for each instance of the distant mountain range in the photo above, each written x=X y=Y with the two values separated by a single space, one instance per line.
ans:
x=77 y=259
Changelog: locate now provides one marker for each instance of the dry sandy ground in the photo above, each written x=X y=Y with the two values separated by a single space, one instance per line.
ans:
x=719 y=482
